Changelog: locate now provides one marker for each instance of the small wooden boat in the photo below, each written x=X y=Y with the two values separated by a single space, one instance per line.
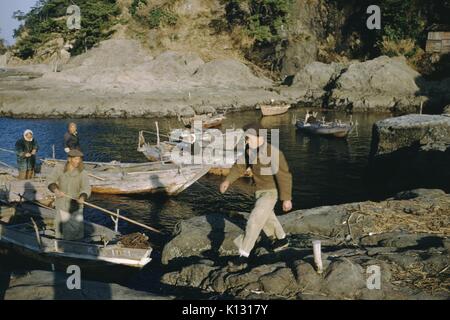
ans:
x=338 y=130
x=207 y=120
x=184 y=140
x=134 y=178
x=273 y=110
x=29 y=229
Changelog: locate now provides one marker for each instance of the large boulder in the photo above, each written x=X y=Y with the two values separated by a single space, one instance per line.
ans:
x=44 y=285
x=381 y=84
x=312 y=83
x=411 y=151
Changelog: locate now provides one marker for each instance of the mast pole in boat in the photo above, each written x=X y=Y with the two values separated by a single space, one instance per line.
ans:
x=157 y=133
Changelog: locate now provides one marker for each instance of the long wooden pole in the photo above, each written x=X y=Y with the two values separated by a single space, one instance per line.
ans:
x=6 y=150
x=116 y=215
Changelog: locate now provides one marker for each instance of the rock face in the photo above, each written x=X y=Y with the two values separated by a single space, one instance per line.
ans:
x=44 y=285
x=311 y=84
x=120 y=79
x=380 y=85
x=404 y=238
x=411 y=151
x=383 y=83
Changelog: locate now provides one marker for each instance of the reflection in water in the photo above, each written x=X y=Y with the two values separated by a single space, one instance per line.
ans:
x=326 y=171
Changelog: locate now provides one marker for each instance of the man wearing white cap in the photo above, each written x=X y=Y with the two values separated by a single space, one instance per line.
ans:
x=26 y=149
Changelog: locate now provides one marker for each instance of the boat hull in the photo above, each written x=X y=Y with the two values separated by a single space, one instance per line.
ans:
x=338 y=131
x=274 y=110
x=127 y=179
x=23 y=238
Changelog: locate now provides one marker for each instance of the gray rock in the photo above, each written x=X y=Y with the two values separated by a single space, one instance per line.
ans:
x=428 y=131
x=381 y=84
x=198 y=235
x=228 y=73
x=344 y=278
x=418 y=144
x=44 y=285
x=291 y=273
x=317 y=75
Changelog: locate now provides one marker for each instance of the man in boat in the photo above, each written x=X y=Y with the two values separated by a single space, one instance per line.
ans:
x=310 y=117
x=71 y=138
x=26 y=149
x=273 y=180
x=71 y=187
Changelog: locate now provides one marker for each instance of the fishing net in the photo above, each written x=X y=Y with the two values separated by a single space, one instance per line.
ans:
x=134 y=240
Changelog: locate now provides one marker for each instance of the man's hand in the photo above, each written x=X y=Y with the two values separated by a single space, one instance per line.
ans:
x=33 y=152
x=224 y=186
x=80 y=200
x=27 y=155
x=287 y=205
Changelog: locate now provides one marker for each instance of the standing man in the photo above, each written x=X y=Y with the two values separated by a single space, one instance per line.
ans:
x=26 y=149
x=272 y=180
x=73 y=181
x=71 y=139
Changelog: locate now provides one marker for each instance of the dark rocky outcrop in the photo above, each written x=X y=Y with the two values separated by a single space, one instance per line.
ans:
x=405 y=237
x=411 y=151
x=45 y=285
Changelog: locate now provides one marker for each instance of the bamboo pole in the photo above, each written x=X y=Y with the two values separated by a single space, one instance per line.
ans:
x=6 y=150
x=115 y=215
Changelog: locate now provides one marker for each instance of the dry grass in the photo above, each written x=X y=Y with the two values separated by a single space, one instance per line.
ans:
x=415 y=276
x=414 y=216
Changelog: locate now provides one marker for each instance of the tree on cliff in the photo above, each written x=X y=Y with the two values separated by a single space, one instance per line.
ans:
x=3 y=47
x=47 y=21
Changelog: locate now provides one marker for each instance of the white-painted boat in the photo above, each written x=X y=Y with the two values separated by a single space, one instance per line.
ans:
x=29 y=229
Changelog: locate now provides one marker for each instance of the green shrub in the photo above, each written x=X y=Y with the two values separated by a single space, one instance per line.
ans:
x=161 y=16
x=47 y=19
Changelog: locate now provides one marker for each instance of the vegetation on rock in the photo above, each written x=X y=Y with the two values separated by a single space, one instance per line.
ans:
x=47 y=21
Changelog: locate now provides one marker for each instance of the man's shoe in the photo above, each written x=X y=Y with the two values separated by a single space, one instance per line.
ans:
x=237 y=264
x=280 y=244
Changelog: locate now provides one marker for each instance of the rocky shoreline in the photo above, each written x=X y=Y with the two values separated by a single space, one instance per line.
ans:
x=406 y=237
x=135 y=84
x=46 y=285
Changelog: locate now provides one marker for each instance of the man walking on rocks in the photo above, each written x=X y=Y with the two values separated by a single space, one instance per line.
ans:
x=272 y=179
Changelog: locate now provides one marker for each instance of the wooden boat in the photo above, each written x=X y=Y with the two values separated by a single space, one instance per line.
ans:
x=184 y=140
x=333 y=129
x=134 y=178
x=13 y=189
x=207 y=120
x=29 y=229
x=273 y=110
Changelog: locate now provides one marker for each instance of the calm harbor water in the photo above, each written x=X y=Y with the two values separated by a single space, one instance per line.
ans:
x=325 y=171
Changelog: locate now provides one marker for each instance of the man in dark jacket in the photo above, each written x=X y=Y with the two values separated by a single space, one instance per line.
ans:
x=273 y=181
x=71 y=139
x=26 y=149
